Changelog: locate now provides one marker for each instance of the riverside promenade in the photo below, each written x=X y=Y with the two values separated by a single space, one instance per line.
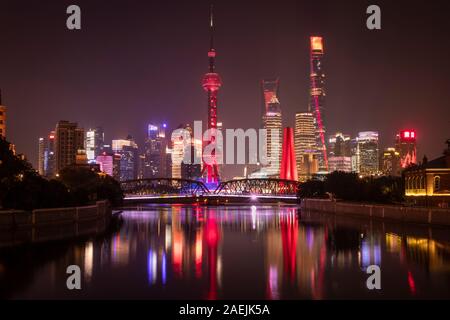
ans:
x=421 y=215
x=19 y=227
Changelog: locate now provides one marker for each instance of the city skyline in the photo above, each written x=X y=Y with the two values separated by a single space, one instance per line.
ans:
x=105 y=97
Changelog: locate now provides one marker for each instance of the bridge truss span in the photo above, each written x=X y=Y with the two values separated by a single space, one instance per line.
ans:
x=269 y=187
x=163 y=186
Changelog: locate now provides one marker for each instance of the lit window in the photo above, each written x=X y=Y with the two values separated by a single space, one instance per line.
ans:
x=437 y=183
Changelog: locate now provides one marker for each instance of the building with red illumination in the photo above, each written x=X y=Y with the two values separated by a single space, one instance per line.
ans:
x=405 y=144
x=317 y=100
x=211 y=84
x=2 y=118
x=288 y=169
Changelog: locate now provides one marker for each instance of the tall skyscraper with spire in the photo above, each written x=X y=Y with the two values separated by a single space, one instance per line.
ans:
x=317 y=99
x=2 y=118
x=272 y=122
x=211 y=84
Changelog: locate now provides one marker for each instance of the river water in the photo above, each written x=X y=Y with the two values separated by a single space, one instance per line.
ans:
x=236 y=252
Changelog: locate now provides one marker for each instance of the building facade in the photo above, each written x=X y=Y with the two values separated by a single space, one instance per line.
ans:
x=106 y=163
x=154 y=162
x=95 y=140
x=339 y=145
x=367 y=153
x=305 y=145
x=390 y=163
x=428 y=184
x=340 y=163
x=126 y=151
x=69 y=141
x=272 y=123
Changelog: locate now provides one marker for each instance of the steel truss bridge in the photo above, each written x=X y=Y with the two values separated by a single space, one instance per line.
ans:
x=172 y=189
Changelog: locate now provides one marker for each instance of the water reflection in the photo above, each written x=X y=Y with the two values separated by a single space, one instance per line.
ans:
x=258 y=252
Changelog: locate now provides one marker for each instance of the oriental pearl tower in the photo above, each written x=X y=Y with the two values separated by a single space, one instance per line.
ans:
x=211 y=84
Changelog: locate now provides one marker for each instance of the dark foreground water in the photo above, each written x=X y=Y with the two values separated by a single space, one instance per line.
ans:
x=263 y=252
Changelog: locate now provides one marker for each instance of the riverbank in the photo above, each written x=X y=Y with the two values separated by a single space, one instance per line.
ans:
x=431 y=216
x=43 y=225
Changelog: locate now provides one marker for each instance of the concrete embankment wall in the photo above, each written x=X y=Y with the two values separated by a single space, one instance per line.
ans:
x=18 y=227
x=435 y=216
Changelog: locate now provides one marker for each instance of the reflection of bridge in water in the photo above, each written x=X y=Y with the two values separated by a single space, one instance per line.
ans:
x=242 y=190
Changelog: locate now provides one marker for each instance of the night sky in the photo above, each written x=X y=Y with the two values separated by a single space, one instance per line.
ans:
x=135 y=62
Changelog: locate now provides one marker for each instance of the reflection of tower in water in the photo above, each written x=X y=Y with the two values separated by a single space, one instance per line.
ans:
x=212 y=237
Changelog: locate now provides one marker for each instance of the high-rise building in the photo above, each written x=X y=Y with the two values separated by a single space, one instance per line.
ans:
x=127 y=150
x=42 y=155
x=339 y=145
x=391 y=162
x=339 y=153
x=154 y=158
x=317 y=99
x=2 y=118
x=354 y=153
x=405 y=144
x=180 y=152
x=69 y=141
x=305 y=145
x=192 y=170
x=340 y=163
x=106 y=162
x=211 y=84
x=272 y=123
x=50 y=157
x=95 y=139
x=368 y=153
x=288 y=164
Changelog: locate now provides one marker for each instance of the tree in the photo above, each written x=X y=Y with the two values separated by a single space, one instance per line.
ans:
x=22 y=188
x=87 y=186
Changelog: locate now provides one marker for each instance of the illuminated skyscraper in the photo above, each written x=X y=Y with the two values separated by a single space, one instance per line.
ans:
x=154 y=158
x=41 y=156
x=368 y=153
x=95 y=139
x=317 y=100
x=339 y=145
x=339 y=151
x=2 y=118
x=180 y=152
x=106 y=162
x=305 y=145
x=391 y=162
x=127 y=149
x=69 y=141
x=272 y=122
x=405 y=144
x=211 y=84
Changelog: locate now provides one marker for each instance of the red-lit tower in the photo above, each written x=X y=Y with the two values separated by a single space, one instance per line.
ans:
x=405 y=144
x=317 y=99
x=211 y=84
